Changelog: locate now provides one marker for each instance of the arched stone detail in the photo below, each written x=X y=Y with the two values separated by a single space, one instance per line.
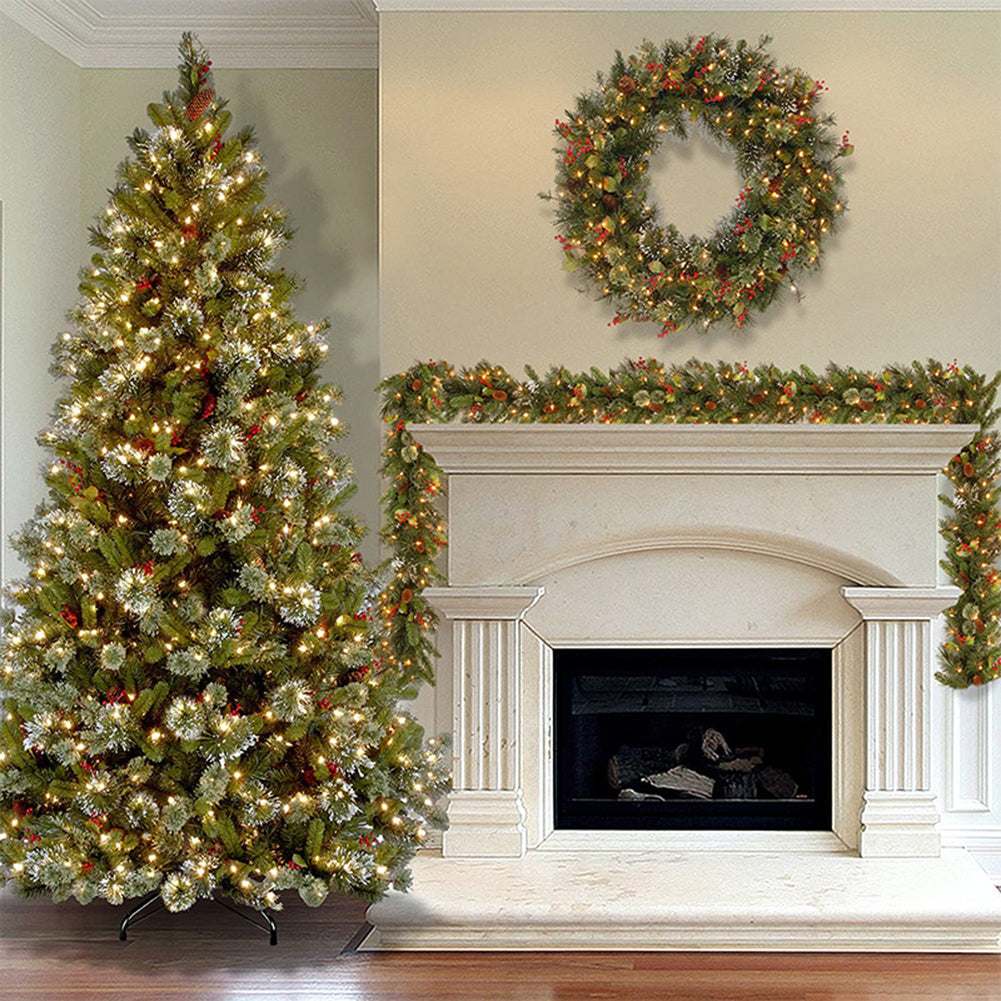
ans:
x=849 y=566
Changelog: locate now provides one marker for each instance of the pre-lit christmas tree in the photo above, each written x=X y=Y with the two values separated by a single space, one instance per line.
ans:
x=193 y=697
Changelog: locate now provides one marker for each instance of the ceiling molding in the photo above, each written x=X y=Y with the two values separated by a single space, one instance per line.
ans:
x=309 y=34
x=315 y=34
x=750 y=6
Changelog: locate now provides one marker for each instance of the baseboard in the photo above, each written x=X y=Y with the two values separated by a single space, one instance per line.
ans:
x=983 y=844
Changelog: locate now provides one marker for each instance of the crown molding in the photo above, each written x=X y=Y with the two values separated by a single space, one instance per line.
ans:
x=308 y=34
x=750 y=6
x=317 y=34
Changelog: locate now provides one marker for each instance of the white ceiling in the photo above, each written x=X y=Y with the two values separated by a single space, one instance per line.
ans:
x=311 y=33
x=267 y=33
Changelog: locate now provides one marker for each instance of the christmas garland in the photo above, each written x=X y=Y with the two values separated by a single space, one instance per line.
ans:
x=647 y=392
x=784 y=152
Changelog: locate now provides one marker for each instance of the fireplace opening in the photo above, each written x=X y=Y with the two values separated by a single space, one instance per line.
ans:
x=735 y=738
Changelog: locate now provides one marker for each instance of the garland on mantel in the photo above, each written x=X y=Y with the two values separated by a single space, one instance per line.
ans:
x=646 y=391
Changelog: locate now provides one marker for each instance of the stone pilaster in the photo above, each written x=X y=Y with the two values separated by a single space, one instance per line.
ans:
x=899 y=813
x=486 y=813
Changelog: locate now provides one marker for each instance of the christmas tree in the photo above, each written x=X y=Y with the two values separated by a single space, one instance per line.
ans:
x=195 y=700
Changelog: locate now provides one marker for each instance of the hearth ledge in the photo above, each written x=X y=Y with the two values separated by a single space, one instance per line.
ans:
x=685 y=901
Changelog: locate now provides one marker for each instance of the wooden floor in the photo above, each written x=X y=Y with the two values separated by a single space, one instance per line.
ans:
x=64 y=952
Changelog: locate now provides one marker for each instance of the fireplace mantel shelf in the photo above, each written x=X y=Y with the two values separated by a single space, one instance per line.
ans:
x=509 y=449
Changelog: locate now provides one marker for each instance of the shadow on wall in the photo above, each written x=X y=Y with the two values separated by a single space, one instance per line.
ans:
x=317 y=134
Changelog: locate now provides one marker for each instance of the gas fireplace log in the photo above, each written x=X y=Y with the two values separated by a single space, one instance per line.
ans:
x=739 y=764
x=776 y=783
x=630 y=764
x=714 y=746
x=684 y=781
x=735 y=785
x=636 y=796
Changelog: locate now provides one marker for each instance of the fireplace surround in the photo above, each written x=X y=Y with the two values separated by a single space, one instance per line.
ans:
x=689 y=536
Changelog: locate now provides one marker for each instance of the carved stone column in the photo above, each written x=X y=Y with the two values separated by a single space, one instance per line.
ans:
x=486 y=814
x=899 y=813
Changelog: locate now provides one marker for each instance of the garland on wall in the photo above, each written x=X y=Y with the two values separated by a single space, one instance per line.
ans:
x=784 y=151
x=646 y=391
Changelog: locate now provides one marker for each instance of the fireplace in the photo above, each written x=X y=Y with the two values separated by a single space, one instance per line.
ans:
x=680 y=545
x=697 y=739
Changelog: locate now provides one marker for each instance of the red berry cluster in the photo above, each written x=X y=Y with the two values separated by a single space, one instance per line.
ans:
x=575 y=148
x=768 y=75
x=76 y=475
x=724 y=290
x=70 y=616
x=208 y=406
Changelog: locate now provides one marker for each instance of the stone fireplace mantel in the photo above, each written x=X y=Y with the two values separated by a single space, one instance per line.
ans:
x=688 y=536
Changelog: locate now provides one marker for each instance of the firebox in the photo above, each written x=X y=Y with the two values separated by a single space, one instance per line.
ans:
x=714 y=739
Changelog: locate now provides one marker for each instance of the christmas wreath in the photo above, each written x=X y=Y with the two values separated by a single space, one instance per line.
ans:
x=785 y=153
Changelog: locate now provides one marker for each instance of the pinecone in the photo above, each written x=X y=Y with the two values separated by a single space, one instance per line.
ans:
x=197 y=105
x=610 y=201
x=627 y=85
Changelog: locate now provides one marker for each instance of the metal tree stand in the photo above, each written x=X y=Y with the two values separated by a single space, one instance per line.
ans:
x=154 y=903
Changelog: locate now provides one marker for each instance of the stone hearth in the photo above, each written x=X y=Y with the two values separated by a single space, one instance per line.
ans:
x=688 y=536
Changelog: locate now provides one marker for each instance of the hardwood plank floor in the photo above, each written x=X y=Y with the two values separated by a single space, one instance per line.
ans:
x=64 y=952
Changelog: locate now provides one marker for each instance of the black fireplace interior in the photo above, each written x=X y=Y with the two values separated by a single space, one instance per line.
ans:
x=714 y=739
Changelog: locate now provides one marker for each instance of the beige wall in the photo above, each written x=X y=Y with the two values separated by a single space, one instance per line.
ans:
x=43 y=246
x=469 y=265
